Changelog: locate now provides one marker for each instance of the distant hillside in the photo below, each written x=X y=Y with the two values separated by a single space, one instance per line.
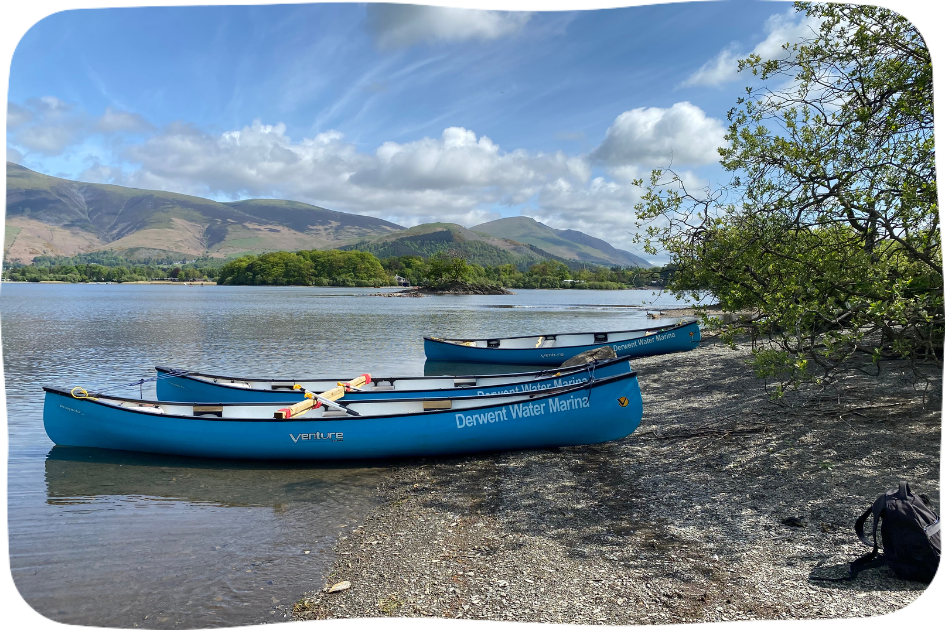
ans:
x=433 y=238
x=58 y=217
x=569 y=244
x=49 y=216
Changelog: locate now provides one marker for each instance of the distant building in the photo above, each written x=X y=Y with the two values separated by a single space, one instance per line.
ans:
x=400 y=280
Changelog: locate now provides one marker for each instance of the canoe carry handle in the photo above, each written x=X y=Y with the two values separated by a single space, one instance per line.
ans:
x=492 y=343
x=600 y=337
x=314 y=401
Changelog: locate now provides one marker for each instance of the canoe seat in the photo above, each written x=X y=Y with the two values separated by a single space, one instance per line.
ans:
x=333 y=413
x=432 y=405
x=208 y=410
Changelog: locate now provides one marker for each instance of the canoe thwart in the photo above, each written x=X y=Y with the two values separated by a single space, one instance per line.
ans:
x=208 y=410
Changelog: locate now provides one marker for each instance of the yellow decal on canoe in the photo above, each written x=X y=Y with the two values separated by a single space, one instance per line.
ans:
x=623 y=401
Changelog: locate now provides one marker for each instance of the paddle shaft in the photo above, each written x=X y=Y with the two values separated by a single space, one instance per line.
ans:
x=332 y=394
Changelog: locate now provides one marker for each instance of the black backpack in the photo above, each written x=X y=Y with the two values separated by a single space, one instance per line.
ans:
x=912 y=543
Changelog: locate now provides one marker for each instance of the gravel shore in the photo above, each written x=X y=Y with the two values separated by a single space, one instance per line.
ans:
x=683 y=521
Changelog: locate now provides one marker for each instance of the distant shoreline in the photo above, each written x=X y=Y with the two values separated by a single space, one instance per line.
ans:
x=211 y=283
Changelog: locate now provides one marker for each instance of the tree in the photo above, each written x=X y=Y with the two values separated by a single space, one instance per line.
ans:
x=828 y=232
x=444 y=268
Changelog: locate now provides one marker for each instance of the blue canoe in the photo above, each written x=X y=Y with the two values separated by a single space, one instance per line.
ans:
x=555 y=349
x=596 y=411
x=177 y=384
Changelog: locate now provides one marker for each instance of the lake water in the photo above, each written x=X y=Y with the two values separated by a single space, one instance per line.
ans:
x=124 y=540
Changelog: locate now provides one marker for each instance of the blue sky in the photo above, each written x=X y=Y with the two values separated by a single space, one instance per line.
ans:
x=411 y=114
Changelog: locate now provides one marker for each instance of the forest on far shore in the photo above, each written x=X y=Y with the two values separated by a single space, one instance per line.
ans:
x=334 y=268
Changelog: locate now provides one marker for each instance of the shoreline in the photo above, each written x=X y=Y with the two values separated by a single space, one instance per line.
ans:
x=679 y=522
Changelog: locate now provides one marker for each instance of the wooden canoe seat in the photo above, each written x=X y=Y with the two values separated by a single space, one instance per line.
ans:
x=434 y=405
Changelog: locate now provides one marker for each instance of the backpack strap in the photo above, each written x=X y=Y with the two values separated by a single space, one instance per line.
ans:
x=904 y=490
x=873 y=557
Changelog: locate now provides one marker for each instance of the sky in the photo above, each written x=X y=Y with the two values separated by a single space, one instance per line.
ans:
x=408 y=113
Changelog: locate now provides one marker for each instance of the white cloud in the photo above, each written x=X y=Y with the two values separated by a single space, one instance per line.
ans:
x=402 y=25
x=49 y=126
x=115 y=121
x=51 y=138
x=653 y=136
x=782 y=28
x=17 y=115
x=99 y=173
x=458 y=177
x=722 y=68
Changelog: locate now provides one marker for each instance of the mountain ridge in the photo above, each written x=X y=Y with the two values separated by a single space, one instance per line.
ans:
x=48 y=215
x=570 y=244
x=52 y=216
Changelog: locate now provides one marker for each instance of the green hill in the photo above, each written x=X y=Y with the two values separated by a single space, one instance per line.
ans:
x=57 y=217
x=432 y=238
x=569 y=244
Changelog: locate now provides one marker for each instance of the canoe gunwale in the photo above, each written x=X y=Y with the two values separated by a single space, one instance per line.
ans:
x=654 y=329
x=547 y=393
x=546 y=373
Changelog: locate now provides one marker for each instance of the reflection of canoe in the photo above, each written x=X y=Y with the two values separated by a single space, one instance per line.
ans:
x=597 y=411
x=555 y=349
x=174 y=384
x=80 y=475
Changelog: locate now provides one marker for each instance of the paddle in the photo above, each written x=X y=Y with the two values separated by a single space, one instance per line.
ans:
x=327 y=398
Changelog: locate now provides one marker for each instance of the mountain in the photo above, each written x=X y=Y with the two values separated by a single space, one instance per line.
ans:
x=433 y=238
x=57 y=217
x=569 y=244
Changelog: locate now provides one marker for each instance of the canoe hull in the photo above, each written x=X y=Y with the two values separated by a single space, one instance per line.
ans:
x=174 y=385
x=601 y=411
x=676 y=339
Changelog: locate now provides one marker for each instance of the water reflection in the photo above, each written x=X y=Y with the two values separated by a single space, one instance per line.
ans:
x=84 y=475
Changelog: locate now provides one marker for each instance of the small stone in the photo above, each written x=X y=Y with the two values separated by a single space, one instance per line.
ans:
x=340 y=586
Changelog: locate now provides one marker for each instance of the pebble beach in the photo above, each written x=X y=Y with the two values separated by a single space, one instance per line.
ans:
x=720 y=507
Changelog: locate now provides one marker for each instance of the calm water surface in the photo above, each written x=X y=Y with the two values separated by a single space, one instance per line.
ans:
x=122 y=539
